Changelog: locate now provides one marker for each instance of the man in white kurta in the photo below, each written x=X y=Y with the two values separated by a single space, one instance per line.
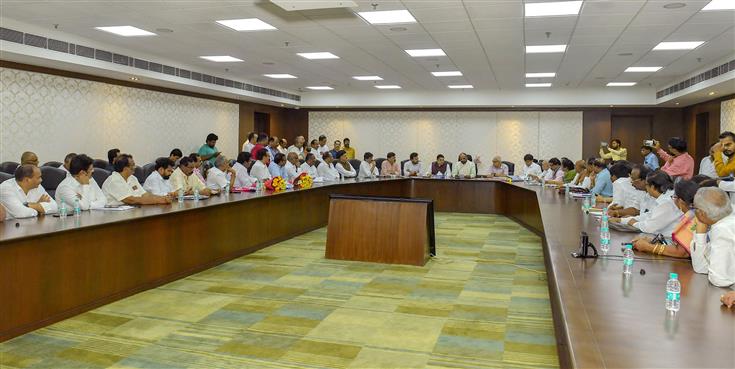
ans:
x=713 y=250
x=23 y=196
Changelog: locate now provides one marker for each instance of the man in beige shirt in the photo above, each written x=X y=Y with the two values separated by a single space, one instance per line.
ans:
x=183 y=177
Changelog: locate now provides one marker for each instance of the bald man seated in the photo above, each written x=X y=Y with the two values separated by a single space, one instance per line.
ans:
x=29 y=158
x=23 y=196
x=497 y=169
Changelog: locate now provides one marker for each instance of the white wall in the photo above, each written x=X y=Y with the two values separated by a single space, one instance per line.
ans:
x=52 y=115
x=508 y=134
x=727 y=116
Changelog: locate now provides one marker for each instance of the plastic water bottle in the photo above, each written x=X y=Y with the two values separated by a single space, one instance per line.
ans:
x=628 y=256
x=604 y=232
x=196 y=194
x=77 y=208
x=62 y=210
x=543 y=182
x=586 y=205
x=227 y=190
x=673 y=291
x=181 y=195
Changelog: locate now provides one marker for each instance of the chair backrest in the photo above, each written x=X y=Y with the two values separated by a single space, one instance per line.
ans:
x=379 y=164
x=9 y=167
x=54 y=164
x=5 y=176
x=511 y=167
x=138 y=173
x=403 y=162
x=51 y=177
x=147 y=170
x=355 y=164
x=99 y=163
x=100 y=175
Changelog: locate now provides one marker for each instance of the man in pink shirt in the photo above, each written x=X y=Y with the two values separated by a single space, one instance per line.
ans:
x=390 y=167
x=679 y=163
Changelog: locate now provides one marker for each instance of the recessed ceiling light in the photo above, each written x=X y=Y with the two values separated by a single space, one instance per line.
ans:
x=388 y=17
x=546 y=49
x=127 y=31
x=367 y=78
x=538 y=84
x=711 y=93
x=318 y=55
x=164 y=30
x=676 y=103
x=319 y=88
x=221 y=58
x=643 y=69
x=625 y=54
x=453 y=73
x=417 y=53
x=687 y=45
x=540 y=75
x=620 y=84
x=249 y=24
x=720 y=5
x=133 y=78
x=388 y=87
x=398 y=29
x=674 y=5
x=554 y=8
x=461 y=86
x=279 y=76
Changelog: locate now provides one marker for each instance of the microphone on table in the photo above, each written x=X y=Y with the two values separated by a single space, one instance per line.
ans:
x=584 y=246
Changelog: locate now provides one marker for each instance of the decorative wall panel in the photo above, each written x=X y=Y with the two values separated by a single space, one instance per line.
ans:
x=53 y=115
x=727 y=116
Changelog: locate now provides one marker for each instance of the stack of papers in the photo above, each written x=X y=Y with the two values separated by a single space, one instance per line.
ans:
x=116 y=208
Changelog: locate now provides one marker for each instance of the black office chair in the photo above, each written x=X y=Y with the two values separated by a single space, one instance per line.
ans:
x=5 y=176
x=355 y=164
x=403 y=162
x=147 y=170
x=511 y=167
x=138 y=173
x=9 y=167
x=379 y=164
x=54 y=164
x=51 y=177
x=100 y=175
x=99 y=163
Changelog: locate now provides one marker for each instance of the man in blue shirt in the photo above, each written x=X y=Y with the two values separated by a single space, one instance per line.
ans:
x=277 y=167
x=603 y=182
x=208 y=151
x=649 y=158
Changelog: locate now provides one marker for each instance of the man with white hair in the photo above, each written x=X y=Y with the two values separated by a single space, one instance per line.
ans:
x=298 y=147
x=498 y=168
x=714 y=255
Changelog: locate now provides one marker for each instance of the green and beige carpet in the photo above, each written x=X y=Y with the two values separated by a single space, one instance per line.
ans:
x=482 y=303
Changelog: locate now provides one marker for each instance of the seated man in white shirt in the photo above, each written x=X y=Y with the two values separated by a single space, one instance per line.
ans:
x=413 y=167
x=624 y=194
x=221 y=176
x=291 y=169
x=713 y=251
x=309 y=166
x=242 y=177
x=79 y=186
x=67 y=163
x=30 y=158
x=326 y=169
x=707 y=165
x=464 y=168
x=322 y=146
x=123 y=188
x=185 y=177
x=368 y=168
x=664 y=215
x=497 y=168
x=636 y=201
x=298 y=147
x=259 y=170
x=530 y=170
x=343 y=166
x=157 y=182
x=23 y=196
x=248 y=145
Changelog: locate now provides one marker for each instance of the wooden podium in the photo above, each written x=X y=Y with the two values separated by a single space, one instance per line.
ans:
x=391 y=230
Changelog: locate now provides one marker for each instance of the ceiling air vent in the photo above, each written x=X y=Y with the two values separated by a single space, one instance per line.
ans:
x=18 y=37
x=701 y=77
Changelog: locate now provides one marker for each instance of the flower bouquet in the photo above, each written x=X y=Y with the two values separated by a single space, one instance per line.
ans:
x=276 y=184
x=303 y=180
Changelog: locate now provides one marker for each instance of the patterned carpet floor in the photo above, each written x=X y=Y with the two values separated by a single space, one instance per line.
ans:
x=483 y=302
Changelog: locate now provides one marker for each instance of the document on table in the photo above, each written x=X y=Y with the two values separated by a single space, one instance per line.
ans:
x=116 y=208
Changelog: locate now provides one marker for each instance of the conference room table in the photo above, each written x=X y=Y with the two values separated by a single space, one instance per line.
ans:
x=53 y=268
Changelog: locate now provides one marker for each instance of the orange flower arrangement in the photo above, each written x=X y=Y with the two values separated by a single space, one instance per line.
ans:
x=276 y=184
x=303 y=180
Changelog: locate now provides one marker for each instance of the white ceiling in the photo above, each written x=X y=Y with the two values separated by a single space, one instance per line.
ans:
x=482 y=38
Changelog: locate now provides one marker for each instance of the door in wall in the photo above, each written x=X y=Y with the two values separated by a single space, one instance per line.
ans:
x=701 y=138
x=632 y=131
x=262 y=123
